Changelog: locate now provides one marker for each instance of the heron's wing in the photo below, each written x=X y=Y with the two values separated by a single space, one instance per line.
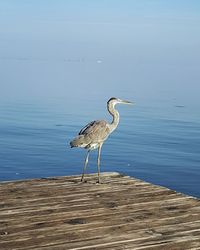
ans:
x=87 y=128
x=96 y=130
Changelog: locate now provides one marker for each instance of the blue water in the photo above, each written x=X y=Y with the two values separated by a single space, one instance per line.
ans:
x=157 y=142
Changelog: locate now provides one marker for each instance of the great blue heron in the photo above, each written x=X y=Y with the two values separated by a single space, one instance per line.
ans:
x=93 y=135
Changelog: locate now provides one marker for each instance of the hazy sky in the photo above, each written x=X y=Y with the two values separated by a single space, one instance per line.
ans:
x=88 y=48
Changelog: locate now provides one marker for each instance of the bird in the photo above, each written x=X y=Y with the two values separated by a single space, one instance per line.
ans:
x=94 y=134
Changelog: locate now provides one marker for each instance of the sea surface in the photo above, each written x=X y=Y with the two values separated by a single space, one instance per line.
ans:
x=156 y=141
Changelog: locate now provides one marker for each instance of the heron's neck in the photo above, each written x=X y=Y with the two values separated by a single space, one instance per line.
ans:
x=115 y=115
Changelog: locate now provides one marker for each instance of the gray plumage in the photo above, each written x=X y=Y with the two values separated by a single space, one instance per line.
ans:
x=93 y=135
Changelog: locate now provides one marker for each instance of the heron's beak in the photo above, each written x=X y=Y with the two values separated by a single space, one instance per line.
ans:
x=127 y=102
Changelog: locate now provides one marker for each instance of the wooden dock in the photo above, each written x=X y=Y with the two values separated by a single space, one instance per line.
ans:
x=122 y=213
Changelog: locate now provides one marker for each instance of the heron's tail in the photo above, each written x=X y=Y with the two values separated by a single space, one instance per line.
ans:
x=78 y=142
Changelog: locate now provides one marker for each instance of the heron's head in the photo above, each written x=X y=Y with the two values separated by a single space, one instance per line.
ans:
x=113 y=101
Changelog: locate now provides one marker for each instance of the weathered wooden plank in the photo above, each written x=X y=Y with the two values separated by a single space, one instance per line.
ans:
x=121 y=213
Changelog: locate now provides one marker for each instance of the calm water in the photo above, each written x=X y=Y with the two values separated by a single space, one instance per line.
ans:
x=157 y=142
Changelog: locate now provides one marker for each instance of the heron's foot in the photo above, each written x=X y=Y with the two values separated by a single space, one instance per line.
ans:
x=83 y=181
x=98 y=182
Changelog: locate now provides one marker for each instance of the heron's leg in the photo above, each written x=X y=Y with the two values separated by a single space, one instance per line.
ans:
x=85 y=165
x=98 y=161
